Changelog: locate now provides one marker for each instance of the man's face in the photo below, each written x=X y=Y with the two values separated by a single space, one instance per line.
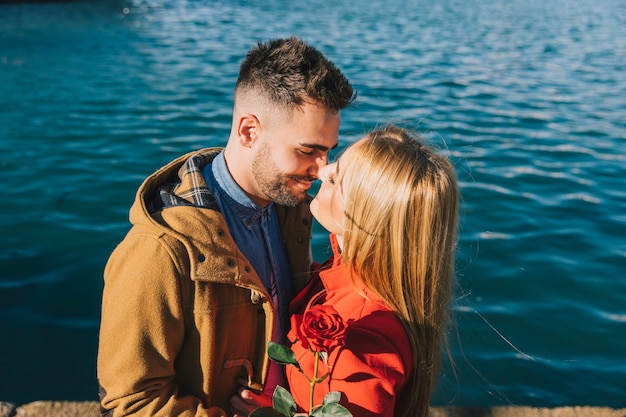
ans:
x=290 y=153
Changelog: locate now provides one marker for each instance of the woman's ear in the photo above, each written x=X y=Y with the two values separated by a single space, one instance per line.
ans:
x=248 y=129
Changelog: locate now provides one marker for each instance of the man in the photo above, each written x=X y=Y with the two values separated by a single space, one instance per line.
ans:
x=219 y=244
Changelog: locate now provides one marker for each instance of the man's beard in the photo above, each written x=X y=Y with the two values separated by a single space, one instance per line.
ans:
x=273 y=183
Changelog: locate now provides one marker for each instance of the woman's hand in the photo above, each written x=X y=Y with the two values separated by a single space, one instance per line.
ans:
x=247 y=401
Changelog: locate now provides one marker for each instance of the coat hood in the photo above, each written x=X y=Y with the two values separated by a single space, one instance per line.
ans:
x=176 y=201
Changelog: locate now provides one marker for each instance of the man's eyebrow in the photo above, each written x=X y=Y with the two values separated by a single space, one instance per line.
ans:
x=318 y=147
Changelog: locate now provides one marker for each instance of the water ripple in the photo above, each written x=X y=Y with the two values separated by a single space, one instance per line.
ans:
x=527 y=98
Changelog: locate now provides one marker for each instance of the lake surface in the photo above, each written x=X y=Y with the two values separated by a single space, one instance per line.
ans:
x=528 y=97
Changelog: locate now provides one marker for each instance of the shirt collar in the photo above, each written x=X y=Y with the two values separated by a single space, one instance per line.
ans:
x=335 y=277
x=246 y=210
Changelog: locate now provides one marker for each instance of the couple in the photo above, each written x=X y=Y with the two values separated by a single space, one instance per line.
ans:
x=217 y=263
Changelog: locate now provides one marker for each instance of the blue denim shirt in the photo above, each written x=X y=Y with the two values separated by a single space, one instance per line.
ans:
x=256 y=231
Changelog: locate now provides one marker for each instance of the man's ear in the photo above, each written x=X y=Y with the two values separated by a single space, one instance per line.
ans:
x=248 y=129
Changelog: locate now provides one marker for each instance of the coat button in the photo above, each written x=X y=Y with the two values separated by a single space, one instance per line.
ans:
x=201 y=258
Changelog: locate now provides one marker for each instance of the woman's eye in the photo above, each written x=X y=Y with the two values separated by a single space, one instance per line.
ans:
x=331 y=179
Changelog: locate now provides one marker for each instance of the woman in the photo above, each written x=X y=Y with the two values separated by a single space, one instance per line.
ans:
x=390 y=203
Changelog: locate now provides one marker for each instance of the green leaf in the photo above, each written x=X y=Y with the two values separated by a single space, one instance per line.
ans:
x=331 y=397
x=281 y=354
x=283 y=402
x=267 y=412
x=337 y=410
x=331 y=410
x=317 y=411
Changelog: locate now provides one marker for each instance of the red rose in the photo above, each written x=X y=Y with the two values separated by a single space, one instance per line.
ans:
x=321 y=328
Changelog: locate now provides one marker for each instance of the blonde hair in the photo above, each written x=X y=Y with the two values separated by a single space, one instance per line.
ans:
x=399 y=237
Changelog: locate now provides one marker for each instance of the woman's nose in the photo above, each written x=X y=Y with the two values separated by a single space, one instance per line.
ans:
x=324 y=172
x=320 y=163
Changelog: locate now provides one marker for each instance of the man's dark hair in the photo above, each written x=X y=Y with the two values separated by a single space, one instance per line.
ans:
x=289 y=72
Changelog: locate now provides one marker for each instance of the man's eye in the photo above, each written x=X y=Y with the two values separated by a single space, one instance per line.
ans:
x=306 y=153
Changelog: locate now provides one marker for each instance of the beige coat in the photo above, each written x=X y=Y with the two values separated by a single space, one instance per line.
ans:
x=185 y=318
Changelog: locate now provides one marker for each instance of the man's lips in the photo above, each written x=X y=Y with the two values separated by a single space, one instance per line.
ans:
x=306 y=182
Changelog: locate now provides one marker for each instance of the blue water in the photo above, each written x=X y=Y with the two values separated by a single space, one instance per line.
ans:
x=527 y=96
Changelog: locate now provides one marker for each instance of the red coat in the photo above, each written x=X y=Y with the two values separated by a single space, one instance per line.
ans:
x=372 y=368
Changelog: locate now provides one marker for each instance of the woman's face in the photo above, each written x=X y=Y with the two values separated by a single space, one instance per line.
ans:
x=328 y=205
